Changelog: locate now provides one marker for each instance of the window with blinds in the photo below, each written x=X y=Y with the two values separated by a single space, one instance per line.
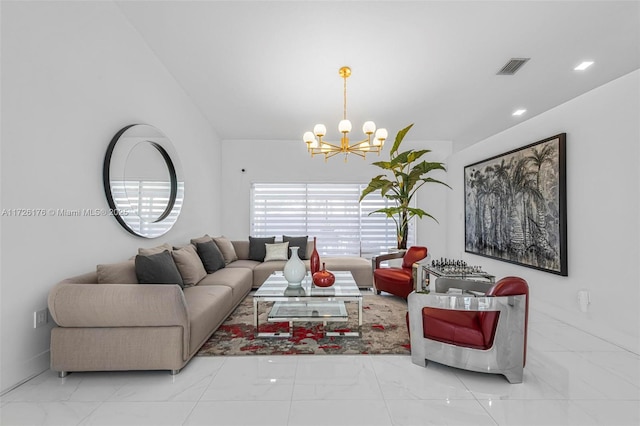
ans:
x=330 y=212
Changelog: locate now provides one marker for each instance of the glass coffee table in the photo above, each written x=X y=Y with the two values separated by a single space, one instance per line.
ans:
x=307 y=303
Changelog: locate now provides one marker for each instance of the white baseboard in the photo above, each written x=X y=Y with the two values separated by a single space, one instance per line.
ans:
x=16 y=375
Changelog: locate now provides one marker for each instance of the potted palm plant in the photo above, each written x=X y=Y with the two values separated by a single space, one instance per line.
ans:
x=408 y=175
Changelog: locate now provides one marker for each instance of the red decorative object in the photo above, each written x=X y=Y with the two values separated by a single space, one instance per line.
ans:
x=324 y=278
x=315 y=259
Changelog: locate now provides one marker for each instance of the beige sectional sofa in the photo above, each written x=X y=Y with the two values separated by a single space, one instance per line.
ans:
x=106 y=323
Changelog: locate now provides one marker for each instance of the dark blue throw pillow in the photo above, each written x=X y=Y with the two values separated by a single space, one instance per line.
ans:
x=158 y=268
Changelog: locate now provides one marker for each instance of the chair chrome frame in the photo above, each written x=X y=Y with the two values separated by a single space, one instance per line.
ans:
x=506 y=356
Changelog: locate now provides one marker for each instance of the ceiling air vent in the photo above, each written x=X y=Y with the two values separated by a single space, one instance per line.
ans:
x=511 y=67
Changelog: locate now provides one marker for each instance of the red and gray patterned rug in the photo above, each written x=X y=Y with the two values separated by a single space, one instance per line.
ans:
x=384 y=331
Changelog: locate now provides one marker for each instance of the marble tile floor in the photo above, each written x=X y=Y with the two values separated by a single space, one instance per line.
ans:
x=571 y=378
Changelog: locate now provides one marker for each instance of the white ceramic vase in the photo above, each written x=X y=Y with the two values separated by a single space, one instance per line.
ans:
x=294 y=270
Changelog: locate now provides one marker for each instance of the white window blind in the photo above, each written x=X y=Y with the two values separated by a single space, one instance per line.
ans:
x=330 y=212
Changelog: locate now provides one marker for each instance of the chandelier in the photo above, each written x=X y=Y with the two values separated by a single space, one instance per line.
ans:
x=361 y=148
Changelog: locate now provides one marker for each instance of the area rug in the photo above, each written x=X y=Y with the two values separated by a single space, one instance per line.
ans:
x=384 y=331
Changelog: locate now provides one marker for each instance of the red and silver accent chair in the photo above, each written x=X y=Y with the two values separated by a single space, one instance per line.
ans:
x=478 y=326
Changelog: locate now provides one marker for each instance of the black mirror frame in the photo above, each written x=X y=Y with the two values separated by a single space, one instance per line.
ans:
x=106 y=181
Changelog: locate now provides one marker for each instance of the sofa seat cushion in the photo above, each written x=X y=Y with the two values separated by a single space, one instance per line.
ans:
x=239 y=280
x=208 y=306
x=244 y=263
x=462 y=328
x=262 y=271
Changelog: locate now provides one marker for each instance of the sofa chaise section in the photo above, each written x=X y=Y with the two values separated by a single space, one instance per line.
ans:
x=359 y=267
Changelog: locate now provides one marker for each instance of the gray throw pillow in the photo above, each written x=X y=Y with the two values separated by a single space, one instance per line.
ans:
x=211 y=256
x=257 y=248
x=158 y=269
x=297 y=242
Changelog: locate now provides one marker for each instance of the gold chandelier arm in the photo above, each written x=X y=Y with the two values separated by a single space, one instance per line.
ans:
x=329 y=145
x=330 y=154
x=357 y=144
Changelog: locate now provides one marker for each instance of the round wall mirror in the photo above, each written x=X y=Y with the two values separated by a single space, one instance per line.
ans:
x=143 y=180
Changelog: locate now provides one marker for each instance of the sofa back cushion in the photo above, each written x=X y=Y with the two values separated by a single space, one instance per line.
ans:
x=117 y=273
x=226 y=248
x=241 y=248
x=202 y=239
x=189 y=265
x=155 y=250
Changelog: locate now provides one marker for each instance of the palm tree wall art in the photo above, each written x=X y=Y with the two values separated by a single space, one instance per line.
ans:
x=515 y=206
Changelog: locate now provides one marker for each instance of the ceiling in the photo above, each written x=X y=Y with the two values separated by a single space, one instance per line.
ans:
x=268 y=70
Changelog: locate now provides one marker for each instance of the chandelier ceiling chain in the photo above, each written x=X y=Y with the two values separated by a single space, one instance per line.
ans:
x=361 y=148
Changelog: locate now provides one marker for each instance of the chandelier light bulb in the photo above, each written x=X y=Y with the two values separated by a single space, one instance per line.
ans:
x=381 y=135
x=320 y=130
x=344 y=126
x=368 y=127
x=308 y=137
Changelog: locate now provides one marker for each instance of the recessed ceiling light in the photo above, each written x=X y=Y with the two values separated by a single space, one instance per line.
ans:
x=583 y=66
x=519 y=112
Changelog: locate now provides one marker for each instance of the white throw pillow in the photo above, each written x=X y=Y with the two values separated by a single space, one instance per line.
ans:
x=277 y=251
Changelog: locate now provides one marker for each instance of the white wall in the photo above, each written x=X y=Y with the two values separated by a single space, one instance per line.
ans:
x=288 y=161
x=73 y=74
x=603 y=138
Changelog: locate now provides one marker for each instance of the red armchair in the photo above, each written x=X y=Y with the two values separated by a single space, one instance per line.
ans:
x=478 y=333
x=398 y=281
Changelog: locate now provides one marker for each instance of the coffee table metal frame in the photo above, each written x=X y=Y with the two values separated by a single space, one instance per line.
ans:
x=307 y=303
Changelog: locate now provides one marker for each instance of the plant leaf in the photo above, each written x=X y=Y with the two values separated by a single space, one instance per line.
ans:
x=399 y=138
x=379 y=182
x=389 y=211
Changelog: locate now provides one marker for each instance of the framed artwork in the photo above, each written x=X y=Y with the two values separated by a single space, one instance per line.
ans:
x=516 y=206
